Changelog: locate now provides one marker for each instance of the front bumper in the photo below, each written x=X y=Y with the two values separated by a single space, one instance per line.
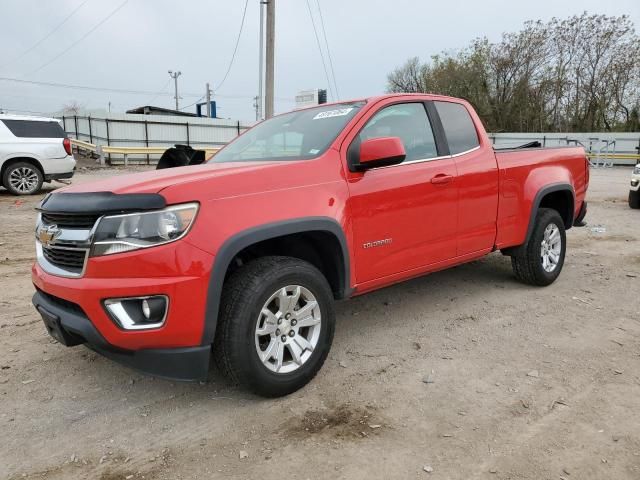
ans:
x=68 y=324
x=178 y=270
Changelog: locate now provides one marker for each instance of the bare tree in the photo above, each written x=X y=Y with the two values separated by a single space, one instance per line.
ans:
x=577 y=74
x=71 y=108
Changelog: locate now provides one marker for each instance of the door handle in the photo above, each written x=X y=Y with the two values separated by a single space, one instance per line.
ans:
x=441 y=179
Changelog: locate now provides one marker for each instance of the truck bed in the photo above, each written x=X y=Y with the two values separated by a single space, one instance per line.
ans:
x=523 y=172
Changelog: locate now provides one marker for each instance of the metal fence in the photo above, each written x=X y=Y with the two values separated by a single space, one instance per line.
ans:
x=133 y=130
x=602 y=147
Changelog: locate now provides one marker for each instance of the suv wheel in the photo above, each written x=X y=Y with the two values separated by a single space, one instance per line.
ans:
x=541 y=259
x=22 y=178
x=276 y=325
x=634 y=198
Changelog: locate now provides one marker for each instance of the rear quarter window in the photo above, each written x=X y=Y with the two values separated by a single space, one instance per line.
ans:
x=34 y=129
x=458 y=127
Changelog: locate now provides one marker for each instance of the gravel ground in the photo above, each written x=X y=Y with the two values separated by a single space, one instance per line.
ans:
x=458 y=375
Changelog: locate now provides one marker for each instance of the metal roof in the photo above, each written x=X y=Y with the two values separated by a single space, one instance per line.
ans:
x=151 y=110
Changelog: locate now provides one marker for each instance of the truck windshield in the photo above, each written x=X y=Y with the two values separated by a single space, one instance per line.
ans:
x=298 y=135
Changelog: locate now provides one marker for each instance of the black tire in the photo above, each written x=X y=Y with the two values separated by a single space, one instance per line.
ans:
x=26 y=170
x=243 y=297
x=527 y=263
x=634 y=199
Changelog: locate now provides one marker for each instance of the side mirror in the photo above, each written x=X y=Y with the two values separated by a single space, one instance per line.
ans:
x=380 y=152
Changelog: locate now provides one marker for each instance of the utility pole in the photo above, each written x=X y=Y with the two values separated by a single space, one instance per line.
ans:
x=260 y=101
x=175 y=82
x=270 y=58
x=208 y=97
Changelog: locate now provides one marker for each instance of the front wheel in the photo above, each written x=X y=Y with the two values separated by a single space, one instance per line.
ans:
x=634 y=199
x=540 y=260
x=22 y=178
x=276 y=325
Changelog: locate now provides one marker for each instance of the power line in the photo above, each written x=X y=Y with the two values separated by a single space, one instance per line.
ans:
x=85 y=87
x=191 y=104
x=235 y=49
x=324 y=65
x=160 y=92
x=98 y=25
x=39 y=42
x=326 y=42
x=14 y=110
x=120 y=90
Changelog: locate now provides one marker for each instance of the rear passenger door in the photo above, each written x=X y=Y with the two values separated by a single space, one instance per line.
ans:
x=405 y=215
x=477 y=178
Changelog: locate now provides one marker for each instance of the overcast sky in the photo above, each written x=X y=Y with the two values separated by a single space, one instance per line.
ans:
x=135 y=47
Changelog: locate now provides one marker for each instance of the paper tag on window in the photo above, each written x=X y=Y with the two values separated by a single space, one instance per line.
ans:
x=340 y=112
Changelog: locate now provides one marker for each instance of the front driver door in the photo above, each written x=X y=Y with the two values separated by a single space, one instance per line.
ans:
x=404 y=216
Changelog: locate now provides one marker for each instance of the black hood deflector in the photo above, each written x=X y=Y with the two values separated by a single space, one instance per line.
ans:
x=101 y=202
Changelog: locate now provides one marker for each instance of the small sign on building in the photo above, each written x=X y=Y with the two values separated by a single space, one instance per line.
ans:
x=309 y=98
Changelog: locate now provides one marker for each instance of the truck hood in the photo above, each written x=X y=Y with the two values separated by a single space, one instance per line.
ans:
x=157 y=180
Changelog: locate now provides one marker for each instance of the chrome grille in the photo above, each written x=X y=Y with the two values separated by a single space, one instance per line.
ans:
x=64 y=253
x=71 y=260
x=70 y=220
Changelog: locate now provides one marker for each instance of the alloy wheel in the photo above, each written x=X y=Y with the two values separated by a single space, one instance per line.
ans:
x=288 y=329
x=24 y=179
x=551 y=247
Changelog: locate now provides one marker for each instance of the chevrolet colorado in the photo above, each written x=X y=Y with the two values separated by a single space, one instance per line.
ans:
x=242 y=257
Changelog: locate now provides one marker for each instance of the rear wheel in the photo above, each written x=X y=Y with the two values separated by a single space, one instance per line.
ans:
x=540 y=260
x=276 y=325
x=634 y=199
x=22 y=178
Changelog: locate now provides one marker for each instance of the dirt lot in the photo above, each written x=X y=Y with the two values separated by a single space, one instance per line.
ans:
x=524 y=383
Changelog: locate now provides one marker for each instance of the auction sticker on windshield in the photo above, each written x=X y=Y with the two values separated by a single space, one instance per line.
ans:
x=333 y=113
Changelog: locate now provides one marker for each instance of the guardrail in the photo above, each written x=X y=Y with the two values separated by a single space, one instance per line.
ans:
x=102 y=150
x=607 y=159
x=614 y=156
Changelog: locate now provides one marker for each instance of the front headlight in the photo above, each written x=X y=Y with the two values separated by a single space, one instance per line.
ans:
x=126 y=232
x=636 y=170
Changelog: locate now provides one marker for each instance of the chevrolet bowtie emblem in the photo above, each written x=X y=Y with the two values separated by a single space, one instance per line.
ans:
x=47 y=234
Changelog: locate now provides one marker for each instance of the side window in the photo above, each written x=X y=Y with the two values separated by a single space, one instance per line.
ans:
x=34 y=129
x=408 y=121
x=458 y=127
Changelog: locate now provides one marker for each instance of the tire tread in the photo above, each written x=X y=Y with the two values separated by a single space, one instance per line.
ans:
x=526 y=263
x=244 y=284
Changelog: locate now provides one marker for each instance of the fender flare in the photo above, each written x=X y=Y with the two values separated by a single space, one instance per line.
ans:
x=535 y=206
x=30 y=158
x=241 y=240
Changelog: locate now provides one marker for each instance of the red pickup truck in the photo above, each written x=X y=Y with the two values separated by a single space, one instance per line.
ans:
x=242 y=257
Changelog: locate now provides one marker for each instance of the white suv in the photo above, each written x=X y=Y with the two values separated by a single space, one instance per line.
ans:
x=33 y=150
x=634 y=191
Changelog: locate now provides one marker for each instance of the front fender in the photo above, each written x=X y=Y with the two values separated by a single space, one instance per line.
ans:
x=238 y=242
